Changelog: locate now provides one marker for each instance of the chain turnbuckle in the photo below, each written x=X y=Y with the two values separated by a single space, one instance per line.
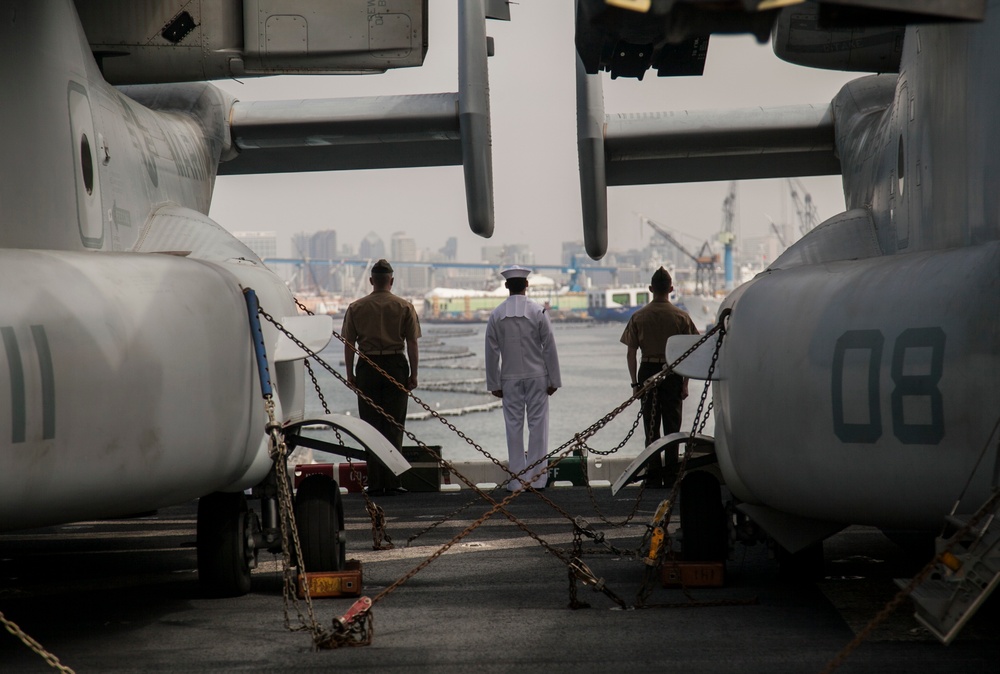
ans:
x=354 y=628
x=585 y=575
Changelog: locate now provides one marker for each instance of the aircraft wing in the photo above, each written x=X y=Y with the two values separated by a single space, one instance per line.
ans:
x=686 y=146
x=344 y=134
x=442 y=129
x=691 y=146
x=628 y=38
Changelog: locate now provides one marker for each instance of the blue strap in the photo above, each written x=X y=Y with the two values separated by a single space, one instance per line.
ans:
x=257 y=335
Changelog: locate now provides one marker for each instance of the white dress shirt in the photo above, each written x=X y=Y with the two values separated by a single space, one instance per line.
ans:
x=520 y=344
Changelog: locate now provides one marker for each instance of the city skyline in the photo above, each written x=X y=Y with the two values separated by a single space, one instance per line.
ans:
x=534 y=148
x=419 y=271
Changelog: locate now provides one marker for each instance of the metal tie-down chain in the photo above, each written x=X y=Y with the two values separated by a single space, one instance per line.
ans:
x=425 y=406
x=278 y=453
x=575 y=441
x=50 y=659
x=289 y=535
x=381 y=540
x=343 y=633
x=497 y=507
x=661 y=551
x=580 y=570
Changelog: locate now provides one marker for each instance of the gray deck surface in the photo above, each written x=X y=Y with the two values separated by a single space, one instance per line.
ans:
x=122 y=596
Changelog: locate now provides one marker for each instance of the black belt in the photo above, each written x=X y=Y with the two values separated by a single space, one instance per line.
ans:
x=654 y=360
x=392 y=352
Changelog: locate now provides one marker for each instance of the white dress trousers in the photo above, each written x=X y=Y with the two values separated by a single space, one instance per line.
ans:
x=521 y=361
x=527 y=399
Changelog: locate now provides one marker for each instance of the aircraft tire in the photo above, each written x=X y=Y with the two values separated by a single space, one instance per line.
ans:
x=223 y=554
x=703 y=519
x=319 y=515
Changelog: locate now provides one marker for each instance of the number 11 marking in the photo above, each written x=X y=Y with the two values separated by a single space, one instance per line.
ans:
x=18 y=408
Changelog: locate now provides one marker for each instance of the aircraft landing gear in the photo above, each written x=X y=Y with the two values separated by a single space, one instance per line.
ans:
x=319 y=515
x=226 y=547
x=705 y=536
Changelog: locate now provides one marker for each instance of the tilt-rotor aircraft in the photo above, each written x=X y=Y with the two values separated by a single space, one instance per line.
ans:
x=128 y=375
x=857 y=382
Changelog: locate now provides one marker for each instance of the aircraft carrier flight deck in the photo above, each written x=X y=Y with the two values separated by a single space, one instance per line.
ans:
x=123 y=596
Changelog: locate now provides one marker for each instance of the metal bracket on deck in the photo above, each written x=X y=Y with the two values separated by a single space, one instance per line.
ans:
x=702 y=449
x=966 y=572
x=359 y=430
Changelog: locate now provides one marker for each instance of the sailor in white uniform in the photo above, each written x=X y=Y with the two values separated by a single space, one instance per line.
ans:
x=522 y=368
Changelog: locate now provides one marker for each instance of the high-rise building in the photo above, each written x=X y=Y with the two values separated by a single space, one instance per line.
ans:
x=514 y=253
x=492 y=254
x=404 y=249
x=323 y=245
x=573 y=251
x=300 y=244
x=450 y=249
x=317 y=246
x=371 y=247
x=264 y=244
x=519 y=253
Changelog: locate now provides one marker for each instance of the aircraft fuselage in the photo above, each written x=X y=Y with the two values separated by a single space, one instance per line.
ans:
x=859 y=373
x=127 y=378
x=864 y=396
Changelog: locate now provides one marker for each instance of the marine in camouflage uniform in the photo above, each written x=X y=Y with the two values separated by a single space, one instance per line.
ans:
x=647 y=332
x=384 y=327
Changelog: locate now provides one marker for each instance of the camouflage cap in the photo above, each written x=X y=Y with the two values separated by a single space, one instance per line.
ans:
x=661 y=277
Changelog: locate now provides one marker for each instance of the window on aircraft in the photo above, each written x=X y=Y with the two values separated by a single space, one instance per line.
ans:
x=900 y=165
x=87 y=164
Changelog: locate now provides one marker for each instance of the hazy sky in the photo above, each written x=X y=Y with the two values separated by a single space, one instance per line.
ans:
x=536 y=183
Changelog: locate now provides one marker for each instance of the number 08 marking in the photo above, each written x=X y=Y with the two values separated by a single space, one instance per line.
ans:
x=905 y=386
x=918 y=385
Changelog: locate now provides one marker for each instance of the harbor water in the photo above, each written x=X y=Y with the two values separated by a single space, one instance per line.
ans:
x=452 y=377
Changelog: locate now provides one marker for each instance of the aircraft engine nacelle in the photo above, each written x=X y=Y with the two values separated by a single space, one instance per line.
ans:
x=127 y=382
x=802 y=37
x=857 y=391
x=182 y=41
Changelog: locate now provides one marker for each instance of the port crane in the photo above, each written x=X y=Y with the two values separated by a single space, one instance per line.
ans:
x=705 y=261
x=805 y=209
x=777 y=232
x=727 y=236
x=305 y=269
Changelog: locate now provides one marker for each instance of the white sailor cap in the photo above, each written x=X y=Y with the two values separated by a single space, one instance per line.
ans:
x=515 y=271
